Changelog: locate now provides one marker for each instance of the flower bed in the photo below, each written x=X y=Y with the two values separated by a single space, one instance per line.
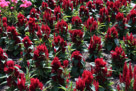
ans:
x=59 y=45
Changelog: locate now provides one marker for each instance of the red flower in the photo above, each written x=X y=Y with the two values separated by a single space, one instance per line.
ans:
x=104 y=15
x=44 y=5
x=4 y=19
x=98 y=4
x=28 y=63
x=67 y=5
x=27 y=42
x=119 y=16
x=134 y=84
x=134 y=71
x=21 y=19
x=41 y=53
x=21 y=84
x=76 y=55
x=130 y=71
x=33 y=12
x=87 y=77
x=39 y=33
x=111 y=34
x=90 y=6
x=80 y=84
x=46 y=30
x=118 y=55
x=95 y=45
x=76 y=20
x=130 y=40
x=83 y=11
x=65 y=63
x=59 y=42
x=75 y=3
x=131 y=16
x=9 y=66
x=35 y=83
x=10 y=81
x=31 y=24
x=118 y=87
x=96 y=85
x=3 y=55
x=57 y=12
x=61 y=28
x=76 y=36
x=91 y=24
x=126 y=76
x=100 y=63
x=56 y=64
x=51 y=3
x=47 y=15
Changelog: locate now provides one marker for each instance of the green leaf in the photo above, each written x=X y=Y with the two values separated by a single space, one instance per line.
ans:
x=116 y=42
x=3 y=83
x=93 y=88
x=63 y=88
x=127 y=25
x=109 y=47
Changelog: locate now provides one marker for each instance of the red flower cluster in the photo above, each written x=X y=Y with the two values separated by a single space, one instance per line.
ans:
x=59 y=42
x=76 y=21
x=131 y=16
x=118 y=56
x=61 y=28
x=21 y=19
x=83 y=11
x=88 y=78
x=75 y=3
x=13 y=34
x=9 y=66
x=44 y=6
x=65 y=63
x=4 y=21
x=56 y=65
x=3 y=55
x=127 y=76
x=57 y=12
x=48 y=18
x=111 y=34
x=101 y=70
x=80 y=84
x=76 y=36
x=91 y=24
x=119 y=16
x=95 y=45
x=104 y=15
x=51 y=3
x=41 y=53
x=98 y=4
x=27 y=42
x=46 y=31
x=67 y=5
x=130 y=40
x=21 y=83
x=90 y=6
x=76 y=55
x=35 y=83
x=31 y=24
x=33 y=12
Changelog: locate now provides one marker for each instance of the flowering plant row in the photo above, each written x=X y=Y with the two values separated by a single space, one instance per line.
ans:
x=59 y=45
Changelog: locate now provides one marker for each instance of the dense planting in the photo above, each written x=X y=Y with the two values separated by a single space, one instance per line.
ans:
x=59 y=45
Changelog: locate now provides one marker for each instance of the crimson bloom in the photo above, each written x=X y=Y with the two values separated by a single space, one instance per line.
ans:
x=80 y=84
x=35 y=83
